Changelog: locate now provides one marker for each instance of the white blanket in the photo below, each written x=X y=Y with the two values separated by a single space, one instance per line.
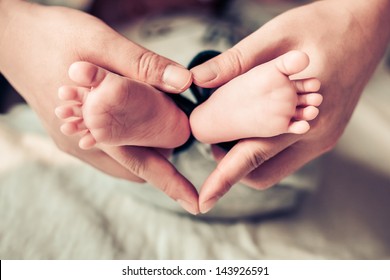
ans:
x=53 y=206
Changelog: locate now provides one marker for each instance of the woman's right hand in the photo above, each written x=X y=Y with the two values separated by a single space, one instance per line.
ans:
x=345 y=40
x=37 y=46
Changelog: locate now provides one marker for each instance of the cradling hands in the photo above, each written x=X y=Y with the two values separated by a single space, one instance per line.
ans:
x=342 y=56
x=49 y=40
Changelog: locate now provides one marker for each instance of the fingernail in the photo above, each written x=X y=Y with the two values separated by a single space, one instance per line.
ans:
x=177 y=77
x=203 y=73
x=188 y=206
x=208 y=205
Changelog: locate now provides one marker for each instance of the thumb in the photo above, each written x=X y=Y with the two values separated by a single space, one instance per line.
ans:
x=259 y=47
x=133 y=61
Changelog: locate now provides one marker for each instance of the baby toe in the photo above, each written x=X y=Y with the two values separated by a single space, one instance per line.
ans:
x=310 y=99
x=86 y=74
x=307 y=85
x=68 y=111
x=72 y=93
x=87 y=141
x=307 y=113
x=298 y=127
x=73 y=127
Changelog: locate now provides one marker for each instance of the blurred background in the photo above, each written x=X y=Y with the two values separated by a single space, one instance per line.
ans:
x=52 y=206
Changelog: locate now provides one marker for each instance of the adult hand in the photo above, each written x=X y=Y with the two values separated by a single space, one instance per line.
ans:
x=344 y=40
x=37 y=46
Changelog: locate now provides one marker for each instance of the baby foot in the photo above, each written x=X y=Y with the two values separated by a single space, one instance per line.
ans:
x=263 y=102
x=110 y=109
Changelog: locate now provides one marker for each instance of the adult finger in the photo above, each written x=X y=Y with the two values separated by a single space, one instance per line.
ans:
x=133 y=61
x=153 y=167
x=243 y=158
x=257 y=48
x=138 y=164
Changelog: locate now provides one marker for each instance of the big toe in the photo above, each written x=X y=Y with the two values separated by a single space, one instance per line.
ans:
x=292 y=62
x=86 y=74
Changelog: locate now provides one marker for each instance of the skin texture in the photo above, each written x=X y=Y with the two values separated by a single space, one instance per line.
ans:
x=113 y=110
x=344 y=40
x=109 y=109
x=263 y=102
x=37 y=46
